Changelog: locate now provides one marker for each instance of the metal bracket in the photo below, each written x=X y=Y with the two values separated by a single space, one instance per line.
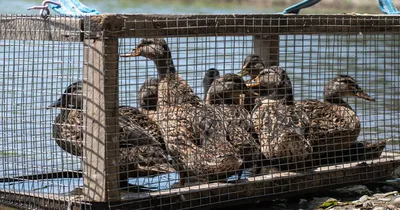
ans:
x=44 y=8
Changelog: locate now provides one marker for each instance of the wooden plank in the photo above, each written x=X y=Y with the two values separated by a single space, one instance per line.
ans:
x=101 y=148
x=53 y=175
x=140 y=25
x=267 y=47
x=268 y=186
x=37 y=28
x=34 y=200
x=223 y=194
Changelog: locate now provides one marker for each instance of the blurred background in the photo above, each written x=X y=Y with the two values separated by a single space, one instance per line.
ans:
x=205 y=6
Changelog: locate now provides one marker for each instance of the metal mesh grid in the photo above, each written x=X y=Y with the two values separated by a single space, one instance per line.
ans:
x=133 y=155
x=310 y=59
x=34 y=74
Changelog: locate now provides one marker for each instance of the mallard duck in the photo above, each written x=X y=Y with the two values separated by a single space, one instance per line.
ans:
x=229 y=89
x=194 y=133
x=334 y=124
x=226 y=92
x=209 y=77
x=252 y=65
x=141 y=152
x=148 y=97
x=280 y=126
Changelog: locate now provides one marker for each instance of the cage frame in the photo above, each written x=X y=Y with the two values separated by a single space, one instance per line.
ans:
x=100 y=34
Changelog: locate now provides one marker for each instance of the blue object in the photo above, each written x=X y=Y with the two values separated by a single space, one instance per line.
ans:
x=72 y=8
x=388 y=7
x=295 y=9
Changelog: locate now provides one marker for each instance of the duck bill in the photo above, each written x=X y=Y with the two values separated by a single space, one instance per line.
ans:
x=54 y=104
x=365 y=96
x=131 y=54
x=254 y=83
x=243 y=72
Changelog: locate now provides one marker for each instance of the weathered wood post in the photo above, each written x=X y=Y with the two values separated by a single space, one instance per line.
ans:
x=267 y=47
x=101 y=148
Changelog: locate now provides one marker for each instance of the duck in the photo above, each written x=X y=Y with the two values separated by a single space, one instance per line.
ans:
x=141 y=152
x=252 y=66
x=230 y=89
x=195 y=134
x=209 y=77
x=334 y=125
x=282 y=129
x=226 y=92
x=148 y=97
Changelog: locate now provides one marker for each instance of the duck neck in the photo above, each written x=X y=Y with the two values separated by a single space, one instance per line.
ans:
x=283 y=95
x=165 y=66
x=337 y=100
x=257 y=68
x=282 y=92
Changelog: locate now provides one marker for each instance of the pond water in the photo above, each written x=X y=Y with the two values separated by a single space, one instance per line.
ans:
x=34 y=73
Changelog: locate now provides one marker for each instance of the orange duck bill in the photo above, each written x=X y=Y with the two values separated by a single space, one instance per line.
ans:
x=131 y=54
x=364 y=95
x=254 y=83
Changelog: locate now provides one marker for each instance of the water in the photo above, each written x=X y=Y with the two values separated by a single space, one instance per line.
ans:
x=35 y=73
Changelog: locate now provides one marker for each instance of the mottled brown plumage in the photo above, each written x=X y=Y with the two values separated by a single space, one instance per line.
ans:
x=224 y=92
x=280 y=126
x=148 y=97
x=228 y=90
x=195 y=135
x=141 y=153
x=334 y=124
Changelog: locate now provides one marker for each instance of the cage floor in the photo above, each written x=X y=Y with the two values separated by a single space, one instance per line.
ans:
x=276 y=183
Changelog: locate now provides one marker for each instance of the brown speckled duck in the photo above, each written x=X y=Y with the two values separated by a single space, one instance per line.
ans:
x=148 y=97
x=334 y=124
x=281 y=127
x=332 y=120
x=194 y=133
x=141 y=152
x=226 y=92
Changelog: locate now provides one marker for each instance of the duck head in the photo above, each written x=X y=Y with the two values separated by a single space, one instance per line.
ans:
x=71 y=98
x=252 y=65
x=229 y=89
x=155 y=49
x=211 y=75
x=148 y=94
x=273 y=83
x=151 y=48
x=344 y=86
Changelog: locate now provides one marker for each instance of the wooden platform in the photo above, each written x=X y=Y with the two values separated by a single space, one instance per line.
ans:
x=264 y=187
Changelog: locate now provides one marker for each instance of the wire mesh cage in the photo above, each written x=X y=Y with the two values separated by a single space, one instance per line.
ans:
x=174 y=111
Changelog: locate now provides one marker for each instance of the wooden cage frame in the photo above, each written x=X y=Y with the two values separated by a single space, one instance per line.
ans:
x=100 y=35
